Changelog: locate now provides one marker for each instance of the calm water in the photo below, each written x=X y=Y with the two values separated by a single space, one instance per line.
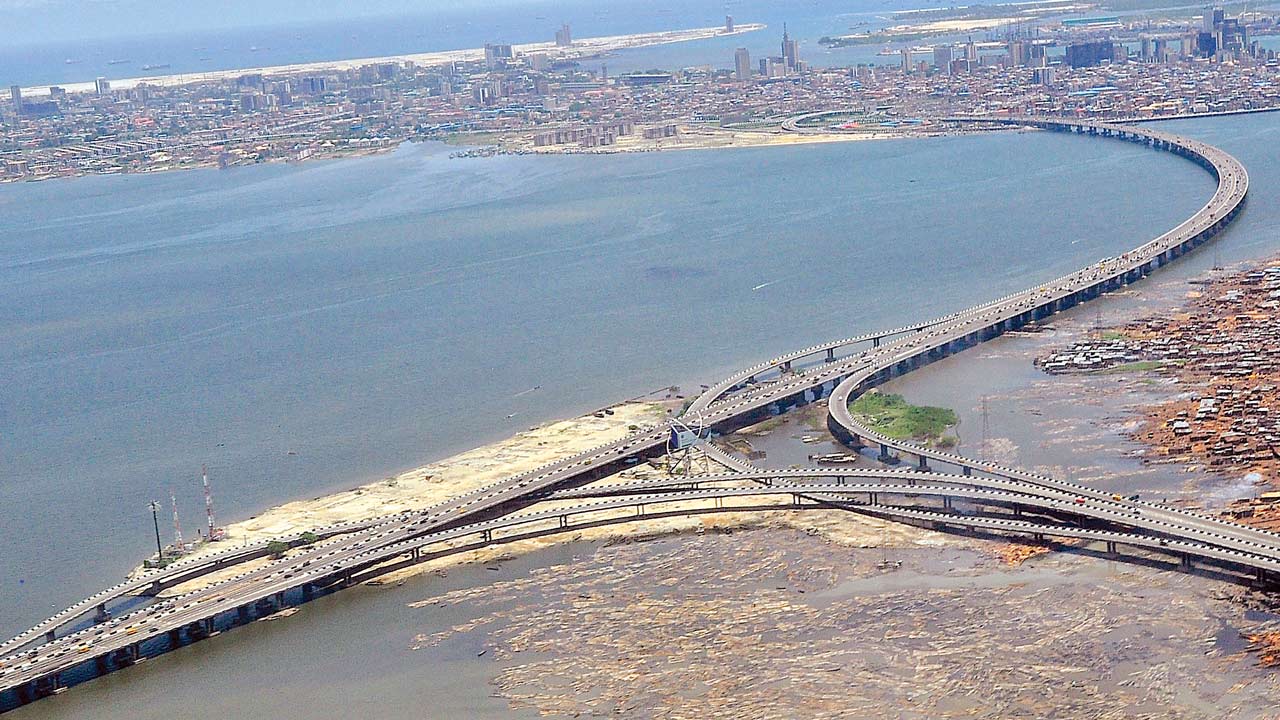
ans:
x=304 y=38
x=371 y=315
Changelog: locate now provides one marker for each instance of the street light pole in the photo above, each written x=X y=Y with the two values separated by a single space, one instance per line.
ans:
x=155 y=520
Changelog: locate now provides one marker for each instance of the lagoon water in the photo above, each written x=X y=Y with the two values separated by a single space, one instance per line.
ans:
x=306 y=328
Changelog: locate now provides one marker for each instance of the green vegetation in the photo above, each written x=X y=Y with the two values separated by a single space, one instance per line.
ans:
x=277 y=549
x=472 y=139
x=1113 y=335
x=308 y=538
x=1139 y=366
x=895 y=417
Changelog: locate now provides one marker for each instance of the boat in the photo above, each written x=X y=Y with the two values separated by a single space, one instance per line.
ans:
x=118 y=62
x=161 y=66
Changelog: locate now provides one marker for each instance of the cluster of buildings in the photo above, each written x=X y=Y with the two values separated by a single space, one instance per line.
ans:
x=551 y=100
x=1225 y=351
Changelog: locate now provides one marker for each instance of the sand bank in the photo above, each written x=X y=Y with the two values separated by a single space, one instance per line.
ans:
x=582 y=48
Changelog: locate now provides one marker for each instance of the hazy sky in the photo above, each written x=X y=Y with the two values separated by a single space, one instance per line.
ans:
x=35 y=21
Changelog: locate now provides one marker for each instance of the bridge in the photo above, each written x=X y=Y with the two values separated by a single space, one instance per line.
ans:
x=999 y=500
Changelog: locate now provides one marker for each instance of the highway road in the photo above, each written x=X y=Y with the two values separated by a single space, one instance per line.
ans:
x=361 y=546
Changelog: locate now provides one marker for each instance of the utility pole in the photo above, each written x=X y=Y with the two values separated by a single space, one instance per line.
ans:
x=155 y=520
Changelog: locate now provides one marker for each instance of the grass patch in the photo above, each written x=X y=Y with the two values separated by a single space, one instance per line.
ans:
x=893 y=416
x=1139 y=366
x=1113 y=335
x=472 y=139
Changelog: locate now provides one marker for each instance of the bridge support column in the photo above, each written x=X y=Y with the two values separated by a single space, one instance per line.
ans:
x=279 y=604
x=786 y=366
x=208 y=626
x=243 y=613
x=831 y=354
x=872 y=499
x=101 y=615
x=946 y=503
x=966 y=471
x=1185 y=562
x=875 y=342
x=49 y=636
x=175 y=638
x=1017 y=510
x=923 y=464
x=487 y=535
x=564 y=521
x=1111 y=548
x=1261 y=575
x=100 y=665
x=1038 y=537
x=417 y=553
x=885 y=457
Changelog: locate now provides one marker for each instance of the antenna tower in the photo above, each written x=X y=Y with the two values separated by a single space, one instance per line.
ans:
x=177 y=526
x=208 y=499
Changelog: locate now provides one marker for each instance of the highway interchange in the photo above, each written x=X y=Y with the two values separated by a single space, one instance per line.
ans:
x=1042 y=507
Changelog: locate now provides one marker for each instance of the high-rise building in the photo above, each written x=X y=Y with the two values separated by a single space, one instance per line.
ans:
x=101 y=86
x=971 y=52
x=564 y=38
x=906 y=60
x=742 y=64
x=1017 y=53
x=773 y=67
x=790 y=49
x=15 y=94
x=728 y=23
x=538 y=62
x=1086 y=54
x=1043 y=75
x=942 y=57
x=496 y=55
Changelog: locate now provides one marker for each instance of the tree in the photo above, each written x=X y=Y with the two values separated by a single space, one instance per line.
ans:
x=277 y=549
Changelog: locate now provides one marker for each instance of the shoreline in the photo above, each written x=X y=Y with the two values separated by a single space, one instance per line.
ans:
x=583 y=48
x=458 y=474
x=1210 y=352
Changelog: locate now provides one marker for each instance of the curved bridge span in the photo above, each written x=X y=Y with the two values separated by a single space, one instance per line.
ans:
x=841 y=370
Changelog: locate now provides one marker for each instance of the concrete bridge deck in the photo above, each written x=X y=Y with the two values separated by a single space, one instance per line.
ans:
x=408 y=538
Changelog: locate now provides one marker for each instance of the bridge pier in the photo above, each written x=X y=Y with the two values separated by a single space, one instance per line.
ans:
x=966 y=471
x=243 y=613
x=1111 y=548
x=1185 y=562
x=49 y=636
x=101 y=615
x=946 y=503
x=922 y=463
x=831 y=354
x=885 y=457
x=875 y=342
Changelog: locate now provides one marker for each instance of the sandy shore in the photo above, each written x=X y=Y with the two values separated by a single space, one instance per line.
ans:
x=699 y=138
x=431 y=484
x=585 y=47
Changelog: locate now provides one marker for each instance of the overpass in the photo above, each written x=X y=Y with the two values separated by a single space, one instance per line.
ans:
x=412 y=537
